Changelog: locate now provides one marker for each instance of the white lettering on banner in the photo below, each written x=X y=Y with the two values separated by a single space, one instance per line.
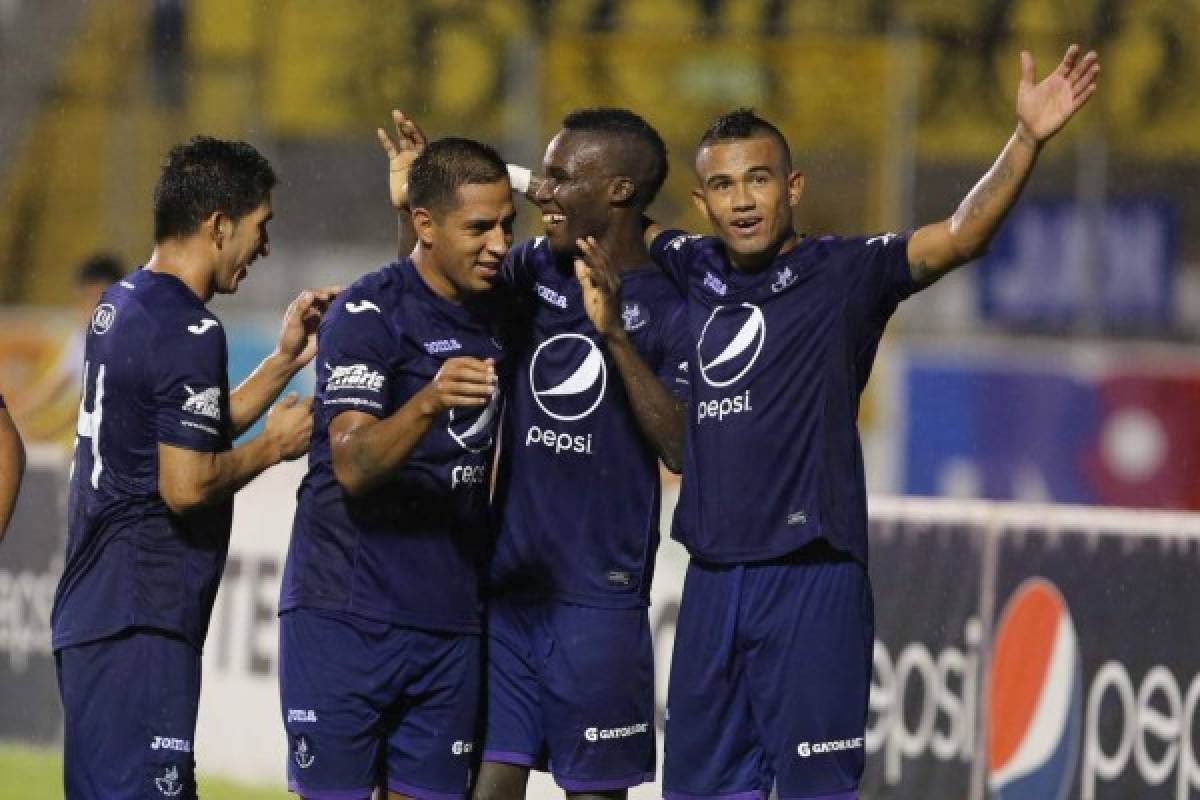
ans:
x=1157 y=717
x=26 y=601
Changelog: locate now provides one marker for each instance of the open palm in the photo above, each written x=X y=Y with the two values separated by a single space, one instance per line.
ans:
x=1043 y=108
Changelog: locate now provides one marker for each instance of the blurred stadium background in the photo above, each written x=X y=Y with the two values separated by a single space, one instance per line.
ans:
x=1062 y=369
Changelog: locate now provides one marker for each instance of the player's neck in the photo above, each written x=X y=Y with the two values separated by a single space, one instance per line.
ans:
x=438 y=283
x=183 y=262
x=757 y=262
x=626 y=246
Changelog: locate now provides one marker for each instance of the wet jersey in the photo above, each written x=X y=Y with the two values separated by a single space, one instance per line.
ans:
x=580 y=488
x=779 y=359
x=410 y=551
x=154 y=372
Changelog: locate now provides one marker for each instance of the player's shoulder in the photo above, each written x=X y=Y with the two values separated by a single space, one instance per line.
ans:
x=832 y=246
x=159 y=307
x=532 y=255
x=371 y=298
x=679 y=241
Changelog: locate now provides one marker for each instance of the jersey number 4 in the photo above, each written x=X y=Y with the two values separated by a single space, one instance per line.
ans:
x=88 y=426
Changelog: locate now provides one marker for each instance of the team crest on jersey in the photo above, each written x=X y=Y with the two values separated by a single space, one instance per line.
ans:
x=568 y=376
x=783 y=279
x=206 y=402
x=168 y=783
x=303 y=755
x=353 y=376
x=474 y=428
x=103 y=318
x=730 y=343
x=633 y=316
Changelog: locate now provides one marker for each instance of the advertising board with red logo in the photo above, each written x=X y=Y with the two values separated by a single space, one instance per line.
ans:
x=1036 y=653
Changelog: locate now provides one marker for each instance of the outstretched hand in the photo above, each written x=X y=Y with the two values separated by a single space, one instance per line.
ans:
x=601 y=286
x=1043 y=108
x=401 y=153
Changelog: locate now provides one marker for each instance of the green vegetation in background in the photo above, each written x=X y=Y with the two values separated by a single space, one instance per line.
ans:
x=27 y=772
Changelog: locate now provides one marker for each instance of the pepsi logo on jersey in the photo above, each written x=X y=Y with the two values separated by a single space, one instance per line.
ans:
x=730 y=343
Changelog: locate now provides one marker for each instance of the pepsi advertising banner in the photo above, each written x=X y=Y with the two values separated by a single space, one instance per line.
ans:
x=1033 y=653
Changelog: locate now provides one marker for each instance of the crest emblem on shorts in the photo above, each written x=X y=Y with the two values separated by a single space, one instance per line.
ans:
x=168 y=783
x=304 y=756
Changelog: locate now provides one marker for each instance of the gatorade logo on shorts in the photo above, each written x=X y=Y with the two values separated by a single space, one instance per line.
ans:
x=1034 y=697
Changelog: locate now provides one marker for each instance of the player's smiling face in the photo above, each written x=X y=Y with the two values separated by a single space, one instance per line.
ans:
x=469 y=241
x=246 y=240
x=747 y=191
x=574 y=195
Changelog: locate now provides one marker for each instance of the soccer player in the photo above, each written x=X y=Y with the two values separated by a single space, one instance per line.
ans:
x=595 y=405
x=771 y=671
x=380 y=659
x=12 y=467
x=155 y=472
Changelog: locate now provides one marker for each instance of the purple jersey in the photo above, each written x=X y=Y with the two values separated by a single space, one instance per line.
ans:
x=779 y=359
x=154 y=372
x=580 y=490
x=409 y=552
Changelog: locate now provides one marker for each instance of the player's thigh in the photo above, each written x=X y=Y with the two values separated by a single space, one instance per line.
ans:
x=712 y=746
x=431 y=738
x=335 y=679
x=129 y=706
x=598 y=698
x=516 y=646
x=809 y=628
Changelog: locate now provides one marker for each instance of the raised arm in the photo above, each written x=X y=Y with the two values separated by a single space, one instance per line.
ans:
x=1042 y=110
x=659 y=415
x=367 y=450
x=297 y=346
x=12 y=467
x=401 y=153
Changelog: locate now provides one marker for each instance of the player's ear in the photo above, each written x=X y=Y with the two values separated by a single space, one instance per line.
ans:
x=423 y=225
x=699 y=201
x=217 y=227
x=795 y=188
x=622 y=190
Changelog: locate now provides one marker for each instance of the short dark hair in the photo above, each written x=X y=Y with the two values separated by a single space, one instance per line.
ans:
x=445 y=165
x=100 y=268
x=651 y=171
x=743 y=123
x=206 y=175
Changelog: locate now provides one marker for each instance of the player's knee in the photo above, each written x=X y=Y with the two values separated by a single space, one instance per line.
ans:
x=500 y=782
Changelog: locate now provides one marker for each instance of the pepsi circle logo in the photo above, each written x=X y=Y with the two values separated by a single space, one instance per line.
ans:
x=730 y=343
x=474 y=428
x=568 y=376
x=1034 y=697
